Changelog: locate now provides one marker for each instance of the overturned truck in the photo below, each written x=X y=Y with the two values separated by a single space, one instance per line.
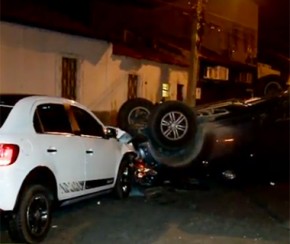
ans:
x=227 y=137
x=169 y=128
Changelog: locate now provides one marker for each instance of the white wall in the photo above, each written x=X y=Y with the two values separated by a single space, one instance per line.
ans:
x=30 y=62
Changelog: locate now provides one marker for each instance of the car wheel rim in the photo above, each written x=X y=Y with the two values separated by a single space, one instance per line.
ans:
x=37 y=215
x=138 y=117
x=125 y=179
x=174 y=126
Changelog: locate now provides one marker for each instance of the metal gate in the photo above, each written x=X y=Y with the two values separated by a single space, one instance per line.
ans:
x=69 y=78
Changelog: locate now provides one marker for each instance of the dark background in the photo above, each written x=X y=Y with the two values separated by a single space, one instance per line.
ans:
x=274 y=29
x=146 y=19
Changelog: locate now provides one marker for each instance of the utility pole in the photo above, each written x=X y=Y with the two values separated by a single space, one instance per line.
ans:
x=193 y=72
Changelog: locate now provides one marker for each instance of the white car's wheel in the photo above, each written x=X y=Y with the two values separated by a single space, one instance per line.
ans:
x=31 y=220
x=123 y=183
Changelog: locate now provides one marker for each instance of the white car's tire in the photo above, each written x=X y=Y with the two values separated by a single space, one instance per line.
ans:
x=123 y=183
x=30 y=222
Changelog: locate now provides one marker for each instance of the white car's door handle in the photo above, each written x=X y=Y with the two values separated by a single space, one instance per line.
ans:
x=89 y=151
x=51 y=150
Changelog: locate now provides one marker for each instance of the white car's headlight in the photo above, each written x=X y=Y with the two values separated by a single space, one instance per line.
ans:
x=125 y=138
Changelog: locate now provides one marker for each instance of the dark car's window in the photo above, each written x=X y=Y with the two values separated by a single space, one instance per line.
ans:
x=51 y=118
x=4 y=112
x=87 y=123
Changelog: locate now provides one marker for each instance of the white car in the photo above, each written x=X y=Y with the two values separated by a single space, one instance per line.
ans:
x=52 y=151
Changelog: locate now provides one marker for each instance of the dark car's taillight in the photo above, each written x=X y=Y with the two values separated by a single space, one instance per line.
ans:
x=8 y=154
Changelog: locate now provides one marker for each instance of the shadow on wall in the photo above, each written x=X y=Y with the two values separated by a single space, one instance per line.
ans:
x=133 y=65
x=127 y=63
x=111 y=92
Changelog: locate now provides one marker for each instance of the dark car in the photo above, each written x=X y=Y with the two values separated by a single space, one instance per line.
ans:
x=234 y=139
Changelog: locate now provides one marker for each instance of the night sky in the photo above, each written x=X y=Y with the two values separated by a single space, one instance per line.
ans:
x=274 y=26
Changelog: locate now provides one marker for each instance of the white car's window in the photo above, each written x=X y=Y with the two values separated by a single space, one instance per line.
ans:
x=51 y=118
x=4 y=112
x=88 y=124
x=7 y=102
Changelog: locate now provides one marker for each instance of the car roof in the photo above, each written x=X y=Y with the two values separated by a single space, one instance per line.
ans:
x=12 y=99
x=22 y=104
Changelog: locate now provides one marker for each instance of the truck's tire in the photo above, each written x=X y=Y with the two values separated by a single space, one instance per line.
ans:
x=133 y=115
x=183 y=156
x=270 y=85
x=172 y=125
x=30 y=222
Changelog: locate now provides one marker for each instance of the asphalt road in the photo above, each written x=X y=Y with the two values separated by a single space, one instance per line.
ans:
x=166 y=215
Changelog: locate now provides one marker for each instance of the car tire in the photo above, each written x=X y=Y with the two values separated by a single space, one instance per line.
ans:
x=133 y=115
x=182 y=157
x=31 y=220
x=124 y=179
x=172 y=125
x=269 y=86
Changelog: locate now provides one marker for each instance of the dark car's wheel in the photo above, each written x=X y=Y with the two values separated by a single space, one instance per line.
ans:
x=133 y=115
x=172 y=125
x=123 y=183
x=30 y=222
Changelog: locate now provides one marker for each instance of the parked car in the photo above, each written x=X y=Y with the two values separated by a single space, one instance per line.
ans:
x=54 y=151
x=231 y=139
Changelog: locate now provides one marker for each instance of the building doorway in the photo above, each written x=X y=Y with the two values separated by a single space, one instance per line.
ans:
x=179 y=96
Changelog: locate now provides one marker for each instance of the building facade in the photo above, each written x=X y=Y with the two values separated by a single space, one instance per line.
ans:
x=40 y=61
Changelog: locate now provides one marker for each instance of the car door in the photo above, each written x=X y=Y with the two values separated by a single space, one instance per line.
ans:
x=101 y=154
x=61 y=149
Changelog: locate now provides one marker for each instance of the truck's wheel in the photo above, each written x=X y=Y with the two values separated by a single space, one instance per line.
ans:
x=272 y=88
x=133 y=115
x=124 y=179
x=184 y=156
x=30 y=222
x=268 y=86
x=172 y=125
